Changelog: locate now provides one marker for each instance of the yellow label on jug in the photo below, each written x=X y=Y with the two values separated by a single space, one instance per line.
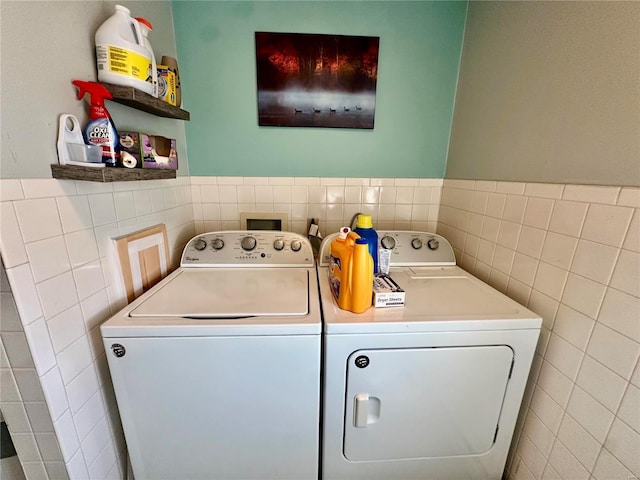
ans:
x=124 y=62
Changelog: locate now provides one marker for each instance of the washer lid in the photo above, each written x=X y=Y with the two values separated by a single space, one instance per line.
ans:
x=206 y=293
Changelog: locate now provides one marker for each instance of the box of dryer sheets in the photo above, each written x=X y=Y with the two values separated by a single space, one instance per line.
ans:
x=386 y=292
x=158 y=152
x=130 y=151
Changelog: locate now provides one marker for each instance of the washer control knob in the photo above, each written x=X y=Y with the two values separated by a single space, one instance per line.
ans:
x=278 y=244
x=217 y=244
x=416 y=243
x=388 y=242
x=433 y=244
x=248 y=243
x=200 y=244
x=296 y=245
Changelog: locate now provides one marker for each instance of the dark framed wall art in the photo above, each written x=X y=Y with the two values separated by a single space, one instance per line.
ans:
x=314 y=80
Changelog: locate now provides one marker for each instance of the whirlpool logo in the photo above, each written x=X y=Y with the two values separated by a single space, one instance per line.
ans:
x=118 y=350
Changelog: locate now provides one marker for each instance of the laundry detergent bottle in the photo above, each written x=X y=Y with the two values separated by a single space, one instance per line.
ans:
x=100 y=130
x=364 y=228
x=121 y=54
x=351 y=271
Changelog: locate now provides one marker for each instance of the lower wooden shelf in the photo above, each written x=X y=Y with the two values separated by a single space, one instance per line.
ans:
x=109 y=174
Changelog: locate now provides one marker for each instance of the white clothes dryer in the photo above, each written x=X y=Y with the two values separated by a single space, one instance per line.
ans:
x=428 y=390
x=216 y=369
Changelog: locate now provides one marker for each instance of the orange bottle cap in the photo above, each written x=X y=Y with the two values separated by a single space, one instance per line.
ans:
x=144 y=22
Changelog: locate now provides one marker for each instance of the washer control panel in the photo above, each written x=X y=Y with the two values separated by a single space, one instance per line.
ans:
x=245 y=248
x=406 y=248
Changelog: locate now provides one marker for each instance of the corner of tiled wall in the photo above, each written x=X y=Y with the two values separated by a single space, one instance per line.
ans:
x=571 y=253
x=55 y=242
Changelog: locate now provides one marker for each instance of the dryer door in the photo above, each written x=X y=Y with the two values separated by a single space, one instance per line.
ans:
x=424 y=402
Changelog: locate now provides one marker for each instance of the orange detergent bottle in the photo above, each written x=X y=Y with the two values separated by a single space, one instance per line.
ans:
x=351 y=271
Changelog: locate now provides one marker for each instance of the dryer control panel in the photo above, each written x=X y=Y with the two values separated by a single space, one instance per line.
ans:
x=243 y=248
x=407 y=249
x=413 y=249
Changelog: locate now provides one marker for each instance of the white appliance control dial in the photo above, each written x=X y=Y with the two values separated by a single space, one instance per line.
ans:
x=200 y=244
x=248 y=243
x=406 y=248
x=217 y=244
x=242 y=248
x=388 y=242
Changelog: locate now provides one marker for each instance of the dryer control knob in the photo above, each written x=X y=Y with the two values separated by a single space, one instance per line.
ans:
x=433 y=244
x=388 y=243
x=200 y=244
x=278 y=244
x=296 y=245
x=416 y=243
x=248 y=243
x=217 y=244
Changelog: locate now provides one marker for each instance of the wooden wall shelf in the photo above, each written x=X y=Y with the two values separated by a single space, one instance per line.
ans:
x=147 y=103
x=109 y=174
x=139 y=100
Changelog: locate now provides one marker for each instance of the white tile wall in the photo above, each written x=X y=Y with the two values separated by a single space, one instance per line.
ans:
x=56 y=246
x=574 y=256
x=401 y=203
x=22 y=400
x=569 y=252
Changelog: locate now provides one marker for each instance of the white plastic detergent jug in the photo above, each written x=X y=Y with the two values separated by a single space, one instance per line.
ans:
x=146 y=28
x=122 y=57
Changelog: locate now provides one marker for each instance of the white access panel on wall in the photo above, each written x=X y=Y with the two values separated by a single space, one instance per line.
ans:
x=396 y=395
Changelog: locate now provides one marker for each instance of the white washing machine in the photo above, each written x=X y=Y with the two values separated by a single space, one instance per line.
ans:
x=216 y=369
x=429 y=390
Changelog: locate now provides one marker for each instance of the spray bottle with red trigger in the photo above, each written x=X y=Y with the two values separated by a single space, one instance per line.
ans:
x=100 y=130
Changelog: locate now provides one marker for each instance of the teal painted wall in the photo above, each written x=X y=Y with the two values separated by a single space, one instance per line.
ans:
x=420 y=43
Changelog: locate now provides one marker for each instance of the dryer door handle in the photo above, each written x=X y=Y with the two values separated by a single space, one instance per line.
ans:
x=366 y=410
x=361 y=410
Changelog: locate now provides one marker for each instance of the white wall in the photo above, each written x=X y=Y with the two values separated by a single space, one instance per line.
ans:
x=571 y=253
x=393 y=203
x=22 y=398
x=55 y=242
x=535 y=242
x=549 y=92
